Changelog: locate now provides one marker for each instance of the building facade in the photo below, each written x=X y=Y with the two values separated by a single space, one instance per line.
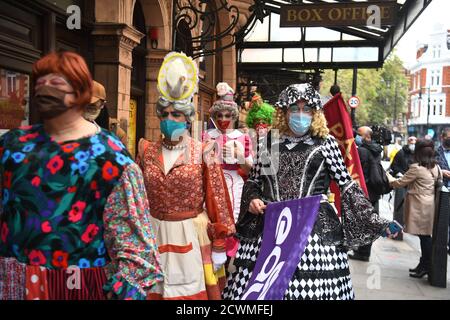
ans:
x=429 y=103
x=124 y=43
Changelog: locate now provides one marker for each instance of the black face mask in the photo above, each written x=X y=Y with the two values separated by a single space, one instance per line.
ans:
x=446 y=143
x=49 y=102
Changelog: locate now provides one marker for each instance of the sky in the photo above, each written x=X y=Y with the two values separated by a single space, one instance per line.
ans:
x=437 y=12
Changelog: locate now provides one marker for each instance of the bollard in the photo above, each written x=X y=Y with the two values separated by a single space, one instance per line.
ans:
x=438 y=272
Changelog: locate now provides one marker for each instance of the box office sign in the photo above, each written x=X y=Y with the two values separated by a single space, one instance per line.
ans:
x=375 y=14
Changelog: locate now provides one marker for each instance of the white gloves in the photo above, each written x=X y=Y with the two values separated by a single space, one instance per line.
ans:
x=218 y=259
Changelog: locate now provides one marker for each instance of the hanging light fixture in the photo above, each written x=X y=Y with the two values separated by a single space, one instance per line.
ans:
x=153 y=36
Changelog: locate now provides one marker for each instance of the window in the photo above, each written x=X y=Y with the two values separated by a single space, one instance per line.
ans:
x=10 y=83
x=432 y=78
x=441 y=107
x=14 y=96
x=438 y=52
x=434 y=106
x=438 y=77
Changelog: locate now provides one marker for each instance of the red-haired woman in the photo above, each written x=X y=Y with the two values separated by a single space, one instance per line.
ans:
x=75 y=221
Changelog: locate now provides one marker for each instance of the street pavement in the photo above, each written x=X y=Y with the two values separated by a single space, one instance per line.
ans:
x=386 y=276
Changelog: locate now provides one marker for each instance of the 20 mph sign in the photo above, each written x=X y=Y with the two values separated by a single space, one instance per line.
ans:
x=354 y=102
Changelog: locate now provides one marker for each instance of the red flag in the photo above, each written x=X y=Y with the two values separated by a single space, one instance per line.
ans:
x=340 y=126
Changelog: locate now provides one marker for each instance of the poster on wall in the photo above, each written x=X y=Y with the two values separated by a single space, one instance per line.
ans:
x=132 y=127
x=14 y=100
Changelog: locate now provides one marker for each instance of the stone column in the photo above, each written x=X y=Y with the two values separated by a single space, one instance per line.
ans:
x=114 y=44
x=154 y=61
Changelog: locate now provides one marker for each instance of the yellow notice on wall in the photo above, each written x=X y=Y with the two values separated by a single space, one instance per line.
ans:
x=132 y=127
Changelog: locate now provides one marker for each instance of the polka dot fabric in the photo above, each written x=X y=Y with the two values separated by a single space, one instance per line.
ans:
x=36 y=283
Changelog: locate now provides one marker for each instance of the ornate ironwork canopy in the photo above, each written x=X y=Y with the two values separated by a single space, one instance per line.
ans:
x=190 y=15
x=271 y=55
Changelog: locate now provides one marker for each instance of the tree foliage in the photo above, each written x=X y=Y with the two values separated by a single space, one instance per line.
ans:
x=382 y=92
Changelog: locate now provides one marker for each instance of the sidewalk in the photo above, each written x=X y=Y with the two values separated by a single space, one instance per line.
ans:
x=386 y=276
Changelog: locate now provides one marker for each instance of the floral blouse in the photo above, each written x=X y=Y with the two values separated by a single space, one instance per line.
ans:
x=77 y=203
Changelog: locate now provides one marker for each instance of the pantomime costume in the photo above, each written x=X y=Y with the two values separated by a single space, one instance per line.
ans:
x=72 y=209
x=190 y=207
x=308 y=159
x=224 y=113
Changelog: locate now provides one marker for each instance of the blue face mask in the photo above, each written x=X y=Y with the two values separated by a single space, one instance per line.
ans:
x=299 y=123
x=172 y=129
x=358 y=140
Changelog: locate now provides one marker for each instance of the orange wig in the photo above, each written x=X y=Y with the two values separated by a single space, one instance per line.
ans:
x=73 y=67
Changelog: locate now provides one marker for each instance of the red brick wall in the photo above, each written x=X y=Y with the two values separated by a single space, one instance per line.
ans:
x=446 y=82
x=423 y=78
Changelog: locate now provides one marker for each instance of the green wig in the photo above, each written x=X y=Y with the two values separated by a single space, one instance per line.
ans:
x=259 y=111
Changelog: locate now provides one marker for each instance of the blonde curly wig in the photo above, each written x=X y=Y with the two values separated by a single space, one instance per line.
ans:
x=319 y=127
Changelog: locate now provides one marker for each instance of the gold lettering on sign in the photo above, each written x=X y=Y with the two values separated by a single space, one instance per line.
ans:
x=292 y=15
x=334 y=14
x=385 y=13
x=304 y=15
x=317 y=15
x=346 y=13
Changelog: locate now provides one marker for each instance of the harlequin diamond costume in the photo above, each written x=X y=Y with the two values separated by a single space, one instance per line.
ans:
x=190 y=208
x=307 y=164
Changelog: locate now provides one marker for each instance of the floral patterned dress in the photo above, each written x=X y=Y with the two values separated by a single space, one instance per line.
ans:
x=74 y=221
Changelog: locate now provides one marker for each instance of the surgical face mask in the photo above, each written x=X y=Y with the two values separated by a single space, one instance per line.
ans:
x=49 y=102
x=92 y=111
x=412 y=147
x=172 y=129
x=299 y=123
x=358 y=140
x=446 y=143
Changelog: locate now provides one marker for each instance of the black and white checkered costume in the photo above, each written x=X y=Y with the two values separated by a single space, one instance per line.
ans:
x=323 y=270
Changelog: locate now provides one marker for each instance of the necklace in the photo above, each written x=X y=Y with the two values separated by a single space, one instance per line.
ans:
x=173 y=147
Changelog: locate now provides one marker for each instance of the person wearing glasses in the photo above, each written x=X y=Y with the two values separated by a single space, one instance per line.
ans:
x=97 y=111
x=189 y=204
x=304 y=162
x=73 y=201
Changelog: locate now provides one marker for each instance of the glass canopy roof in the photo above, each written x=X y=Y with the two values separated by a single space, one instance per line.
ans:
x=323 y=47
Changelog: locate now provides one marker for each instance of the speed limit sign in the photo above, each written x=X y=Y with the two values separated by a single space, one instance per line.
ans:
x=354 y=102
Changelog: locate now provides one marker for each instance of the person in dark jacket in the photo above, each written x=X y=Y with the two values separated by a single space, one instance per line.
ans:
x=404 y=158
x=368 y=151
x=443 y=160
x=400 y=165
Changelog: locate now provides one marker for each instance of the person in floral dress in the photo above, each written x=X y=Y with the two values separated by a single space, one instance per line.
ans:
x=75 y=220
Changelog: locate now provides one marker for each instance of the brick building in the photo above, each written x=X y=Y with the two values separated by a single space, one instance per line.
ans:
x=429 y=90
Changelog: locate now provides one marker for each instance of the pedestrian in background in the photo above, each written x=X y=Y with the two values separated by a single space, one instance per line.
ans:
x=443 y=159
x=404 y=158
x=400 y=164
x=370 y=156
x=420 y=180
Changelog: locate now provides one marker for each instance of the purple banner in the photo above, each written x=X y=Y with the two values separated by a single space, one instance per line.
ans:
x=287 y=225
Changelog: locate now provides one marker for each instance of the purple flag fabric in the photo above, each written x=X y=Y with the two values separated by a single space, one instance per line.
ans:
x=287 y=225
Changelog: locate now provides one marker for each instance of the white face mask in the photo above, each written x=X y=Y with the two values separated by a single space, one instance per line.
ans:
x=412 y=147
